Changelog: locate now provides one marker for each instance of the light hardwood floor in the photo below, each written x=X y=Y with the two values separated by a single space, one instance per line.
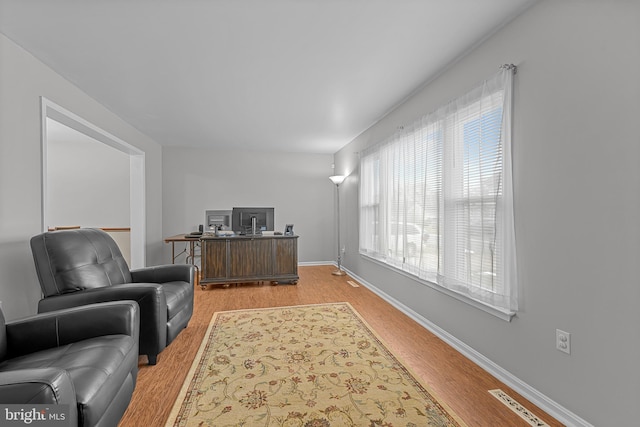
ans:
x=458 y=382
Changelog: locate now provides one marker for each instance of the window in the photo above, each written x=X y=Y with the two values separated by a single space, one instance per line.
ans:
x=435 y=199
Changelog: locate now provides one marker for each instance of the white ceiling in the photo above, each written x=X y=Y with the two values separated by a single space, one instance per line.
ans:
x=284 y=75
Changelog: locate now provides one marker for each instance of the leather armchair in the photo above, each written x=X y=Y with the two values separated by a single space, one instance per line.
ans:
x=84 y=266
x=84 y=357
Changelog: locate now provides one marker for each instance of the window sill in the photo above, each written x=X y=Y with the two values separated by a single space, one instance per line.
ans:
x=494 y=311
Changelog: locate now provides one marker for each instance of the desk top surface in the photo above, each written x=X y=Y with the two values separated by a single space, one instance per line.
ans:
x=184 y=238
x=181 y=238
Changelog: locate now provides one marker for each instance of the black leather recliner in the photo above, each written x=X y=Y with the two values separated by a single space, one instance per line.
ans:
x=83 y=266
x=84 y=357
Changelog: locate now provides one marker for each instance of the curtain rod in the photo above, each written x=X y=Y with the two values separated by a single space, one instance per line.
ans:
x=512 y=67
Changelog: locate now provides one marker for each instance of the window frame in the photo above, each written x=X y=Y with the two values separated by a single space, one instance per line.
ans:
x=374 y=247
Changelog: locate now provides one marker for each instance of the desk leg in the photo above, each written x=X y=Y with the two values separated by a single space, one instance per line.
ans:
x=173 y=253
x=190 y=254
x=192 y=249
x=189 y=259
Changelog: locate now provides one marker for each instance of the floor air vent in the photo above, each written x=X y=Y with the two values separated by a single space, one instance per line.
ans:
x=516 y=407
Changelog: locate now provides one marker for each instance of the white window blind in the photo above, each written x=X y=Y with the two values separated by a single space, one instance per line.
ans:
x=436 y=198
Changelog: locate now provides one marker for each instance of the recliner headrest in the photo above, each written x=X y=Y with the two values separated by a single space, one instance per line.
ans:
x=72 y=260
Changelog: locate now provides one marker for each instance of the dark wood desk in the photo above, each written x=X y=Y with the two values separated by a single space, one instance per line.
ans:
x=242 y=259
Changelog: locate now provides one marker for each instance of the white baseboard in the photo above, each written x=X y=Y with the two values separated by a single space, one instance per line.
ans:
x=551 y=407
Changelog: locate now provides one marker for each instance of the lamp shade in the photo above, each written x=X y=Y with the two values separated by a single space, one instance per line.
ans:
x=337 y=179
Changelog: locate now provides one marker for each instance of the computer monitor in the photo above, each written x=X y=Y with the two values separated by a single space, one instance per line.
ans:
x=241 y=219
x=217 y=220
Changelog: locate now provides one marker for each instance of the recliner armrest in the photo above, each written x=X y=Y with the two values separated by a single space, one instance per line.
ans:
x=61 y=327
x=39 y=386
x=147 y=295
x=164 y=273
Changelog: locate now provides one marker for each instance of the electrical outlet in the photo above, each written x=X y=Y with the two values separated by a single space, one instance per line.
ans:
x=563 y=341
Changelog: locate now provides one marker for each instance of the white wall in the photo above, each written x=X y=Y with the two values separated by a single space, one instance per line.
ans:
x=78 y=166
x=296 y=185
x=23 y=80
x=577 y=192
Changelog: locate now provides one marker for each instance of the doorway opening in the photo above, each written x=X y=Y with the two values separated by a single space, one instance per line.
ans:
x=54 y=115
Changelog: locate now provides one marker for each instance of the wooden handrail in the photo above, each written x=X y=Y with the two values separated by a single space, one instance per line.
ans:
x=75 y=227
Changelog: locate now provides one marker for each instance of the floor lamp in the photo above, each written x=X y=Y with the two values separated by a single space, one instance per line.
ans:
x=337 y=180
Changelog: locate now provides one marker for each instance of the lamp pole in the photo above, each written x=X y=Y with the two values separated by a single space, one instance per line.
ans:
x=337 y=180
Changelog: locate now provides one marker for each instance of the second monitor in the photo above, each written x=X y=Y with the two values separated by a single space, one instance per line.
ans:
x=241 y=219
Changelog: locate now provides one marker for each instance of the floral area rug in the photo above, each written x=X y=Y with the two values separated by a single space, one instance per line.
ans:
x=303 y=366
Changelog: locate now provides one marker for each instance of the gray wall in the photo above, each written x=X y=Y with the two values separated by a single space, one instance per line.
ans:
x=296 y=185
x=577 y=192
x=23 y=79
